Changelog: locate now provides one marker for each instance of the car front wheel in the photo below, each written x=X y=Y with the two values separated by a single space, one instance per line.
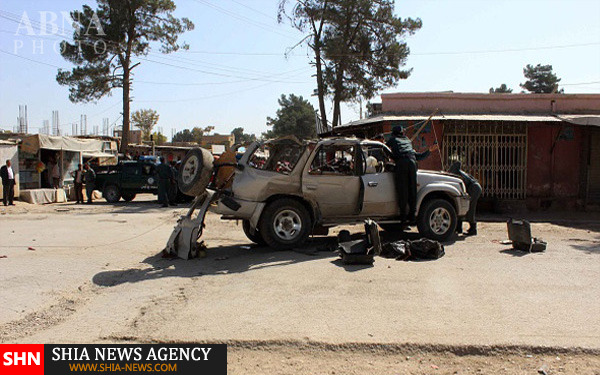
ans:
x=285 y=224
x=437 y=220
x=112 y=194
x=256 y=237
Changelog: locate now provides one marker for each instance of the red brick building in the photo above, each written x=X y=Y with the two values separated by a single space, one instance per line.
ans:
x=542 y=149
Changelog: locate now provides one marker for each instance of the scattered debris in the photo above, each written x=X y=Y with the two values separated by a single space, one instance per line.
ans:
x=519 y=233
x=360 y=251
x=410 y=250
x=543 y=370
x=246 y=247
x=3 y=256
x=434 y=367
x=31 y=248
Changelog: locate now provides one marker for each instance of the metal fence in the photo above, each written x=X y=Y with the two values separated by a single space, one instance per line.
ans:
x=494 y=153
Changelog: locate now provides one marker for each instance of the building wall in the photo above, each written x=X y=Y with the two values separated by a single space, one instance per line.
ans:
x=553 y=173
x=447 y=103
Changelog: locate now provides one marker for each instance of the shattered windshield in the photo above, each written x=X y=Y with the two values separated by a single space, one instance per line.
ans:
x=280 y=157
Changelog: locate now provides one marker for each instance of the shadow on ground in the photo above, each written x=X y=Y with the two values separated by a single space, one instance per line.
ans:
x=239 y=258
x=219 y=260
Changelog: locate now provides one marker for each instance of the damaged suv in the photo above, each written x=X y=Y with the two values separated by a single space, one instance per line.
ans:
x=284 y=190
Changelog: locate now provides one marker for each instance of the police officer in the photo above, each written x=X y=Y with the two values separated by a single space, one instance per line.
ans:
x=165 y=177
x=405 y=172
x=89 y=178
x=474 y=190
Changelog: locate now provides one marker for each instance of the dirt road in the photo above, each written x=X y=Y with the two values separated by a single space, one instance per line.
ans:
x=77 y=274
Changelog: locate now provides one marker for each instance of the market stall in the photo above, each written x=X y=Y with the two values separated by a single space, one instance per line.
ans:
x=47 y=163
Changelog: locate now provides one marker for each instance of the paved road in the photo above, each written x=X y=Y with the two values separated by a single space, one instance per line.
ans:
x=94 y=275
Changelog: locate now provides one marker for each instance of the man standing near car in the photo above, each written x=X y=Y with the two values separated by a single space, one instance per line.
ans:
x=8 y=183
x=89 y=177
x=78 y=182
x=405 y=171
x=474 y=190
x=165 y=177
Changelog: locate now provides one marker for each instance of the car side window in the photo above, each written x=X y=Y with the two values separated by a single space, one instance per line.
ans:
x=281 y=157
x=334 y=160
x=376 y=157
x=131 y=169
x=148 y=170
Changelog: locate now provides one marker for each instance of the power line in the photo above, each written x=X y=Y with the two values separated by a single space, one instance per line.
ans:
x=245 y=19
x=254 y=10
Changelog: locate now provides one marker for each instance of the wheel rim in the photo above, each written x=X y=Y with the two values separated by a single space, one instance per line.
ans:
x=287 y=225
x=190 y=169
x=440 y=220
x=111 y=194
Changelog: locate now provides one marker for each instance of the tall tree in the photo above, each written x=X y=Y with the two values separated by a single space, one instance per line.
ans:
x=107 y=39
x=361 y=44
x=540 y=79
x=193 y=135
x=503 y=89
x=145 y=120
x=241 y=137
x=184 y=135
x=159 y=138
x=310 y=16
x=295 y=117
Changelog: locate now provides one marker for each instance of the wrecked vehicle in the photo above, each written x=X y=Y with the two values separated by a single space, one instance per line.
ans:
x=284 y=190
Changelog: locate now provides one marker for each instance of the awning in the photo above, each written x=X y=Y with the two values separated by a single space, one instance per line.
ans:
x=87 y=154
x=31 y=144
x=584 y=120
x=590 y=120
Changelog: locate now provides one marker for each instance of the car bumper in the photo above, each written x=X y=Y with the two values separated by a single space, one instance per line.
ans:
x=462 y=205
x=245 y=212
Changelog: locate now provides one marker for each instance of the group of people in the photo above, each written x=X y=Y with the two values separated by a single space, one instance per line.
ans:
x=81 y=176
x=405 y=177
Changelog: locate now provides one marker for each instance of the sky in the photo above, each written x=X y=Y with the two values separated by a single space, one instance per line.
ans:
x=237 y=68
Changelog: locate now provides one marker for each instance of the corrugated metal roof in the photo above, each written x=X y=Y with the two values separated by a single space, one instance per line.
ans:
x=590 y=120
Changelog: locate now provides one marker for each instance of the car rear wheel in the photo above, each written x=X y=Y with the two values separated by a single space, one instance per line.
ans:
x=128 y=197
x=111 y=193
x=437 y=220
x=285 y=224
x=256 y=237
x=195 y=171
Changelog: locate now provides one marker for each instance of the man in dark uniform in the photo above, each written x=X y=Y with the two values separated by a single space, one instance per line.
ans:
x=474 y=190
x=7 y=174
x=165 y=177
x=405 y=172
x=89 y=177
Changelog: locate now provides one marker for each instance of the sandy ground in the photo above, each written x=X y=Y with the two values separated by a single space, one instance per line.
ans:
x=78 y=274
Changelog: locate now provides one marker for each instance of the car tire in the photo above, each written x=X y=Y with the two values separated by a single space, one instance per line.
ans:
x=256 y=237
x=285 y=224
x=195 y=171
x=437 y=220
x=111 y=193
x=128 y=197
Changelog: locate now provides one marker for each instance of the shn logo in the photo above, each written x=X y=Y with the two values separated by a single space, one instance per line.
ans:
x=21 y=359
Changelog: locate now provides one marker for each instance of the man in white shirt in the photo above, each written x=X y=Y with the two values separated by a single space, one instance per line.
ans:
x=8 y=183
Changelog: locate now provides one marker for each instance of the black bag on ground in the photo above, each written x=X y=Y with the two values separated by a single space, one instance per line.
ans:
x=519 y=232
x=425 y=248
x=399 y=250
x=360 y=251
